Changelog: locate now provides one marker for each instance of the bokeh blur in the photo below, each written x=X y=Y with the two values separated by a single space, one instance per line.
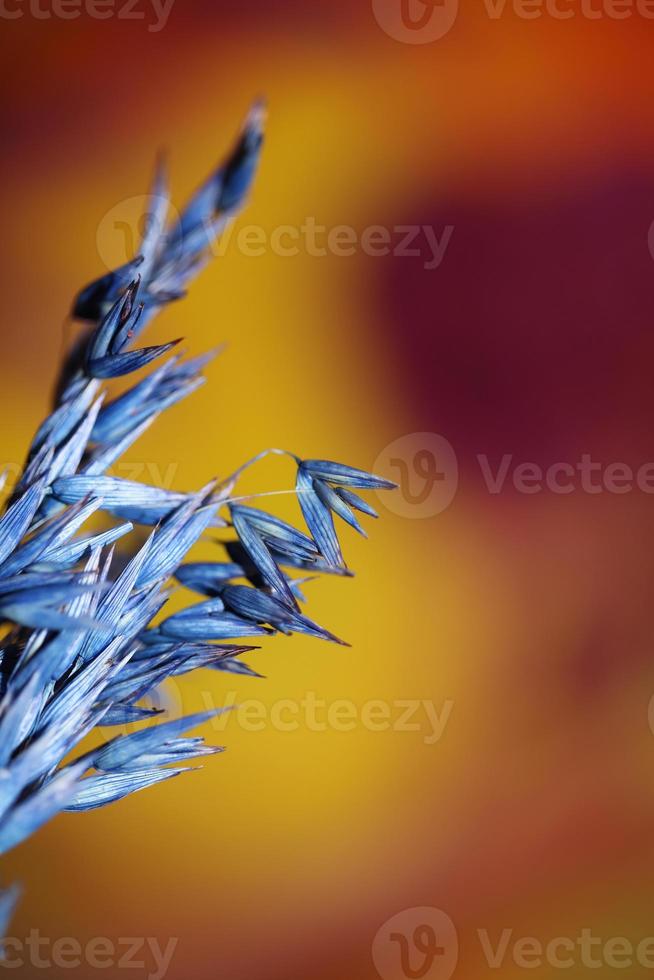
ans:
x=445 y=272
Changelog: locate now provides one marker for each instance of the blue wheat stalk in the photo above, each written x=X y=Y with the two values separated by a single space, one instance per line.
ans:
x=79 y=647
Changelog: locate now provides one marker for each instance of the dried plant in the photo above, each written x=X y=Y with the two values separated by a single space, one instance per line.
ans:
x=80 y=649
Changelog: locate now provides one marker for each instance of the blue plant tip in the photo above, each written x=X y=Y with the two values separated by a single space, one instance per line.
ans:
x=346 y=476
x=90 y=640
x=91 y=301
x=170 y=256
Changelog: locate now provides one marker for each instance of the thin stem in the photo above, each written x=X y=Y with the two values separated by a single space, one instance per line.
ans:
x=256 y=496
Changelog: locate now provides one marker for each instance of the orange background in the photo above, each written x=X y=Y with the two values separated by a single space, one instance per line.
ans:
x=532 y=614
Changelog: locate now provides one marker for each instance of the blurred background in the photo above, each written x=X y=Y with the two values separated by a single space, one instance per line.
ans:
x=521 y=621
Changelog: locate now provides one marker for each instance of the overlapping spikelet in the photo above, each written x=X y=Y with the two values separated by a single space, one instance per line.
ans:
x=79 y=648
